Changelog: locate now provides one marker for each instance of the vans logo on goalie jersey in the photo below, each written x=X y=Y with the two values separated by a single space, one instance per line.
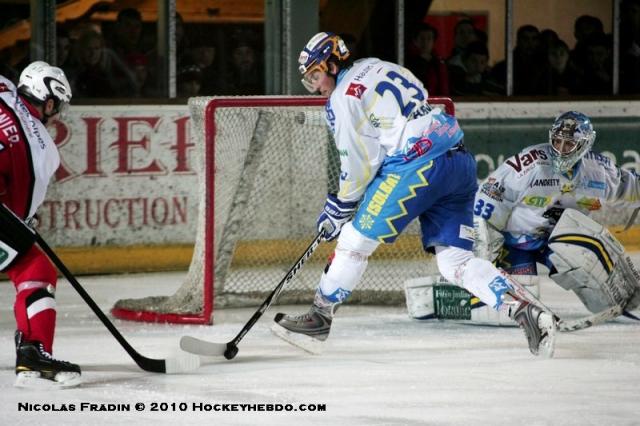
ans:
x=356 y=90
x=520 y=161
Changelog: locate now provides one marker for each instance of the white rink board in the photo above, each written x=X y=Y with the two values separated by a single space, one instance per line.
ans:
x=379 y=368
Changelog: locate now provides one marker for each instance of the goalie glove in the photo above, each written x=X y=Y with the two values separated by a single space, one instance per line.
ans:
x=335 y=214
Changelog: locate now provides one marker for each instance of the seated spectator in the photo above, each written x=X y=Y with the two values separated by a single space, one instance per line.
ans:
x=584 y=27
x=528 y=65
x=139 y=65
x=473 y=78
x=561 y=73
x=202 y=54
x=244 y=76
x=126 y=38
x=463 y=34
x=189 y=81
x=63 y=48
x=597 y=75
x=98 y=72
x=424 y=64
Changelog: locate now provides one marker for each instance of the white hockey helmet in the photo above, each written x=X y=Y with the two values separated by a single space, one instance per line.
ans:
x=318 y=51
x=571 y=136
x=40 y=82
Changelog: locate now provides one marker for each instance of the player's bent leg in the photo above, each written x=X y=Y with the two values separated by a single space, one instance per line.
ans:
x=498 y=290
x=34 y=308
x=342 y=274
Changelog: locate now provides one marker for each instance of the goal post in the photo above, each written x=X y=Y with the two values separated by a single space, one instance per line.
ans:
x=265 y=165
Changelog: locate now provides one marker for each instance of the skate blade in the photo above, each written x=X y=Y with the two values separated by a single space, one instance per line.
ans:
x=32 y=380
x=302 y=341
x=547 y=345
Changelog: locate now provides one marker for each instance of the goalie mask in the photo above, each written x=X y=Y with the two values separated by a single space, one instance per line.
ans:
x=571 y=137
x=315 y=56
x=40 y=82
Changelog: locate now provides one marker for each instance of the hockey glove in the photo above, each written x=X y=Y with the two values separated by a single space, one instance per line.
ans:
x=16 y=237
x=335 y=214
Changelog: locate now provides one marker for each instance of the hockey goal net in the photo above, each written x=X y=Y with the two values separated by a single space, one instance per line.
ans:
x=265 y=165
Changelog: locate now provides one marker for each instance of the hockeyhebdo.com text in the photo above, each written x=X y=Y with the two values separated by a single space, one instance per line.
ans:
x=169 y=407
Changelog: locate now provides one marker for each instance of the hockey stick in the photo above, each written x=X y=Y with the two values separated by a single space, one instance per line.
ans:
x=169 y=365
x=25 y=233
x=230 y=349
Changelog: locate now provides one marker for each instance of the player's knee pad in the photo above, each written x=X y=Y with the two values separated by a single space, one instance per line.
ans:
x=347 y=265
x=451 y=262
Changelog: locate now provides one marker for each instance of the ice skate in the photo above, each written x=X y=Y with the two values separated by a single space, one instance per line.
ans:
x=307 y=331
x=36 y=368
x=538 y=325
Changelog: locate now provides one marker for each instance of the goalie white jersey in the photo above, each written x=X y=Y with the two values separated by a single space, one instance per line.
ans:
x=380 y=109
x=518 y=196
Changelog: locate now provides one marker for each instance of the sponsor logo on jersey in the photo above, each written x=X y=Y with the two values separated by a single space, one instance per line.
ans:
x=343 y=175
x=567 y=187
x=493 y=189
x=590 y=204
x=417 y=147
x=545 y=182
x=331 y=116
x=366 y=221
x=597 y=184
x=362 y=74
x=382 y=194
x=599 y=157
x=356 y=90
x=9 y=128
x=466 y=233
x=521 y=161
x=536 y=200
x=343 y=152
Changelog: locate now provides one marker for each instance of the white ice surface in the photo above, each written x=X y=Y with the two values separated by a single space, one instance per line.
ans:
x=379 y=368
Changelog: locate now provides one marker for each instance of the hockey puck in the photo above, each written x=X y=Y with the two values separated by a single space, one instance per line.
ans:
x=231 y=352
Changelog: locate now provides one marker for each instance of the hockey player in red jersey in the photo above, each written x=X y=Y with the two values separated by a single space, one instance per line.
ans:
x=28 y=159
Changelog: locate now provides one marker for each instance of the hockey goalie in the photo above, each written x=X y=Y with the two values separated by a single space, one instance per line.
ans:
x=533 y=210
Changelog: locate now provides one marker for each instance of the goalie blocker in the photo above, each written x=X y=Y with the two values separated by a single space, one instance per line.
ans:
x=15 y=238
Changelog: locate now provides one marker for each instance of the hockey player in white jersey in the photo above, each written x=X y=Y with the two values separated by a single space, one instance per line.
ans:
x=400 y=159
x=533 y=207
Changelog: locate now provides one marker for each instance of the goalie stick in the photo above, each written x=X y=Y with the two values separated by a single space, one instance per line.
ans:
x=169 y=365
x=230 y=349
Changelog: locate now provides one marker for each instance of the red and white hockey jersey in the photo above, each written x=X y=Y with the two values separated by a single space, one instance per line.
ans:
x=28 y=155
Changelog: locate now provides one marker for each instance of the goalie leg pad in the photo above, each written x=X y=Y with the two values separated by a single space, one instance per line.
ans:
x=592 y=263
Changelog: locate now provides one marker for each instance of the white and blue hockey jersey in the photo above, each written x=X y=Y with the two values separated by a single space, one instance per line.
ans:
x=379 y=109
x=515 y=197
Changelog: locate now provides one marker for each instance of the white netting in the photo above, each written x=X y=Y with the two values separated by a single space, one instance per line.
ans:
x=273 y=168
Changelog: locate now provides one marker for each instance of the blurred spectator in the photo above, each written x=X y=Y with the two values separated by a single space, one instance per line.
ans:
x=473 y=78
x=463 y=34
x=202 y=54
x=98 y=71
x=139 y=65
x=244 y=76
x=127 y=34
x=528 y=65
x=424 y=64
x=561 y=74
x=597 y=74
x=548 y=38
x=189 y=81
x=63 y=48
x=352 y=44
x=583 y=28
x=630 y=46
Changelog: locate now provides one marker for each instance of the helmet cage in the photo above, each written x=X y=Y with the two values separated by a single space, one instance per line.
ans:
x=316 y=54
x=572 y=127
